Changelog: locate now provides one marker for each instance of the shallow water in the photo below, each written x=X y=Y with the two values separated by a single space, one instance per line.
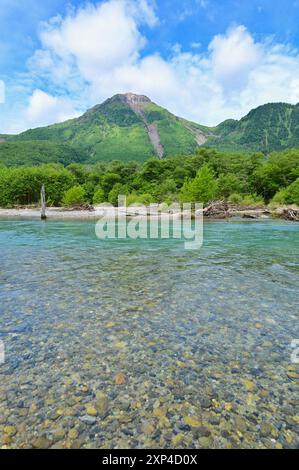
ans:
x=132 y=344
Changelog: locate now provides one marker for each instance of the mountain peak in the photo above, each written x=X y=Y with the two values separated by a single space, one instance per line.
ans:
x=130 y=98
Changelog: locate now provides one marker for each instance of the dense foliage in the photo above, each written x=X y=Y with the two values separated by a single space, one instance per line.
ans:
x=273 y=126
x=22 y=185
x=37 y=153
x=288 y=195
x=74 y=196
x=203 y=177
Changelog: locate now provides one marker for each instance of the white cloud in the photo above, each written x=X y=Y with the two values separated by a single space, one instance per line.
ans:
x=44 y=109
x=2 y=91
x=144 y=12
x=195 y=45
x=96 y=51
x=96 y=38
x=233 y=56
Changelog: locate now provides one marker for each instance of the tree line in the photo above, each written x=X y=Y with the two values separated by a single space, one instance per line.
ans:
x=208 y=175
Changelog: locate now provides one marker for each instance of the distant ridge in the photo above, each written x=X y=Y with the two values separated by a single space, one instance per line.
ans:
x=131 y=127
x=273 y=126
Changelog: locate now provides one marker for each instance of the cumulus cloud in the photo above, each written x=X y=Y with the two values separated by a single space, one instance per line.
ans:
x=44 y=108
x=233 y=56
x=97 y=50
x=96 y=38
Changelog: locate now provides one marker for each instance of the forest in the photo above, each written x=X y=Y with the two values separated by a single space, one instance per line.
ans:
x=206 y=176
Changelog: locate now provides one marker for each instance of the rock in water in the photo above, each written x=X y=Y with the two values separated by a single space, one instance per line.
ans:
x=41 y=443
x=91 y=411
x=120 y=379
x=102 y=404
x=88 y=419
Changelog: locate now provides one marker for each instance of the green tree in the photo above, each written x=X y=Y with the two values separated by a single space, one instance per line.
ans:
x=22 y=185
x=89 y=188
x=228 y=184
x=117 y=190
x=99 y=195
x=186 y=193
x=73 y=196
x=235 y=198
x=288 y=195
x=79 y=171
x=279 y=171
x=108 y=181
x=202 y=189
x=292 y=193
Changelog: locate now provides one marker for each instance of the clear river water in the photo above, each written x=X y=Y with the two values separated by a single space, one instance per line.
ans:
x=143 y=344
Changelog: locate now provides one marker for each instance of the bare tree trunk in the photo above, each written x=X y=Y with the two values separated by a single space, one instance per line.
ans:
x=43 y=203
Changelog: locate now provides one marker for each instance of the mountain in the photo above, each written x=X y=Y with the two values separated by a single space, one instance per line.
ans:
x=132 y=127
x=125 y=127
x=273 y=126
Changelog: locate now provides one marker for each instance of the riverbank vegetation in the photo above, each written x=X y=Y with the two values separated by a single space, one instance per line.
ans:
x=206 y=176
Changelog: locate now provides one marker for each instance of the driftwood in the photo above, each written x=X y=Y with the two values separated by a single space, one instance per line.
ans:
x=290 y=214
x=217 y=210
x=250 y=215
x=81 y=207
x=43 y=203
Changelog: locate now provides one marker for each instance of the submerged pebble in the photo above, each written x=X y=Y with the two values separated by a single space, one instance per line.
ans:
x=138 y=344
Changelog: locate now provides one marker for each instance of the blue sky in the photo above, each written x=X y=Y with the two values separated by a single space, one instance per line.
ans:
x=206 y=60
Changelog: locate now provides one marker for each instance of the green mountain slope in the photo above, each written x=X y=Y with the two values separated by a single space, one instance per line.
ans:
x=270 y=127
x=39 y=152
x=125 y=127
x=132 y=127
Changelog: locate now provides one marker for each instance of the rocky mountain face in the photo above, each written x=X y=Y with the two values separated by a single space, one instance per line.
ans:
x=136 y=103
